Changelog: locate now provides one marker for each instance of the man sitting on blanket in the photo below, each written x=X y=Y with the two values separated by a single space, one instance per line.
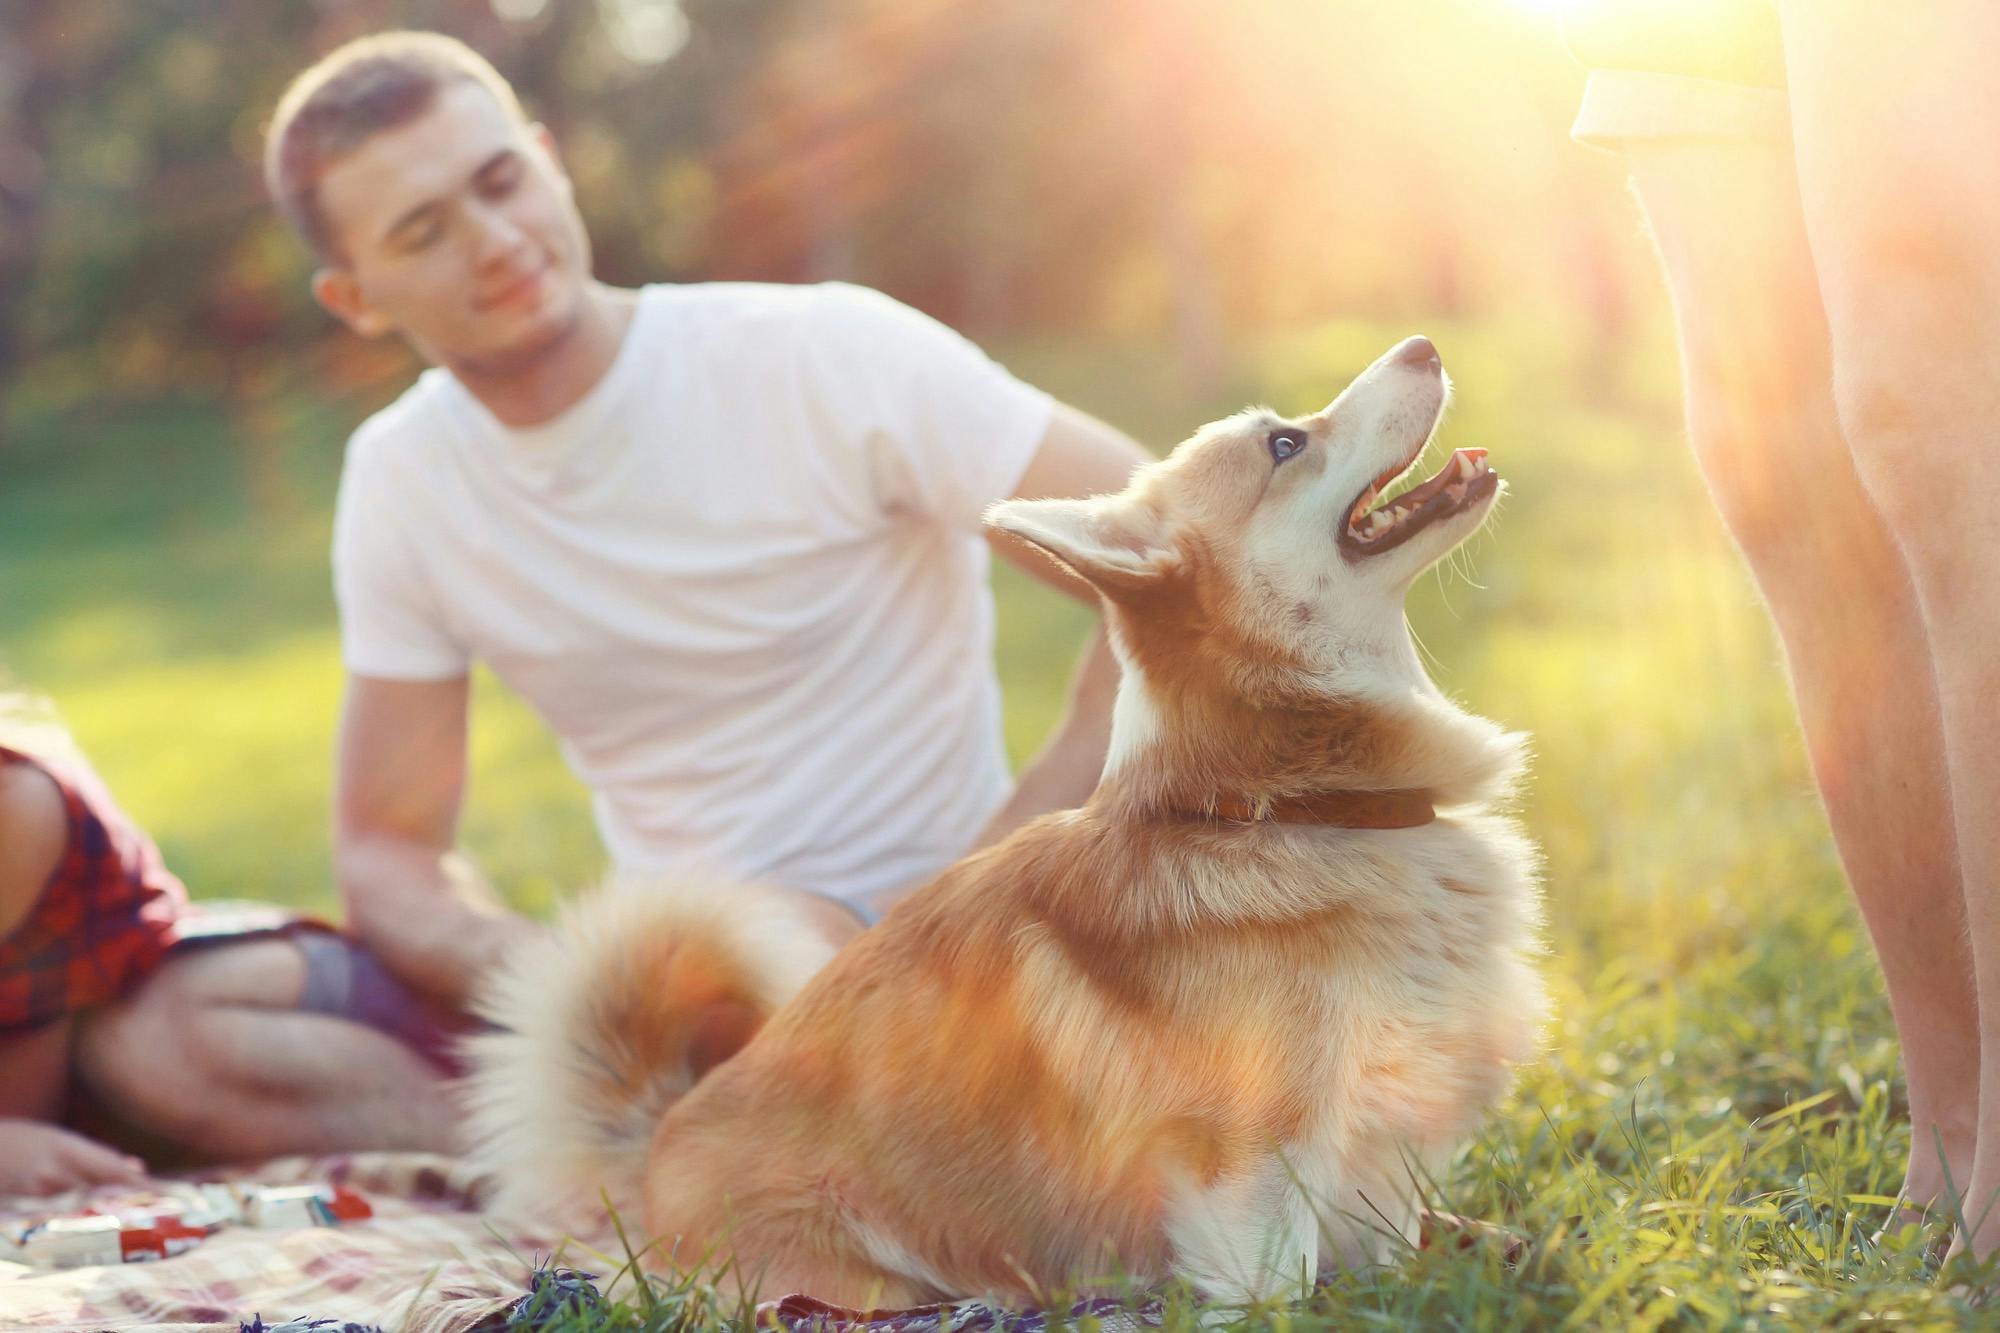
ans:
x=725 y=538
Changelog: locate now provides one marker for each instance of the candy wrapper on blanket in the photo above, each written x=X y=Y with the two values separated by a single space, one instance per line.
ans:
x=79 y=1242
x=303 y=1206
x=159 y=1228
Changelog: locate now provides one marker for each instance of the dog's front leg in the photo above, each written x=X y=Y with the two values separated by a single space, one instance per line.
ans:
x=1246 y=1238
x=1368 y=1216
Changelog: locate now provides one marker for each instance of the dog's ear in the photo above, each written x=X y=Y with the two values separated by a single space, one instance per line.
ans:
x=1107 y=540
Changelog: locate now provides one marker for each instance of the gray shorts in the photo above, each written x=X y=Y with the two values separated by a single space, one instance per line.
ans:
x=344 y=978
x=1625 y=107
x=1679 y=70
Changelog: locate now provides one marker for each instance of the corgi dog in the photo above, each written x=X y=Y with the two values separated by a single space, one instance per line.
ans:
x=1215 y=1025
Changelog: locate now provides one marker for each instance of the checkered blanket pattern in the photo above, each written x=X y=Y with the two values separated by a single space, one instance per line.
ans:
x=427 y=1262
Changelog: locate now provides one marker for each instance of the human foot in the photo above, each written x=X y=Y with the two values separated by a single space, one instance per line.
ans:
x=1976 y=1233
x=1944 y=1129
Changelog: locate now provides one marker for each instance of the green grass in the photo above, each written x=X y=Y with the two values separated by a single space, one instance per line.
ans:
x=1709 y=1138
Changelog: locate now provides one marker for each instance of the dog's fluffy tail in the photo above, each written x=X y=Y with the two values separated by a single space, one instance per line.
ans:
x=644 y=986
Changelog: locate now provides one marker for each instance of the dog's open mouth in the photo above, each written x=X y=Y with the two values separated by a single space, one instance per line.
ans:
x=1464 y=481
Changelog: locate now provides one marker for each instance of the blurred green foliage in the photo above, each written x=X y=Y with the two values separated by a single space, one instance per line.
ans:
x=1131 y=168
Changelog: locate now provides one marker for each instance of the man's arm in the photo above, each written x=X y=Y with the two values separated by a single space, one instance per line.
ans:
x=1079 y=456
x=411 y=896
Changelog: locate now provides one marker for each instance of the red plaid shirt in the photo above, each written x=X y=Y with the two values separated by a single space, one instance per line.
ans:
x=105 y=919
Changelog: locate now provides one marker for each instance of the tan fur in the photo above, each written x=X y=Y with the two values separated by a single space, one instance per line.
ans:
x=1130 y=1039
x=644 y=986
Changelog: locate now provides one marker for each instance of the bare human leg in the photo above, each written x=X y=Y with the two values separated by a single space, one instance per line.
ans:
x=210 y=1054
x=1897 y=126
x=1761 y=418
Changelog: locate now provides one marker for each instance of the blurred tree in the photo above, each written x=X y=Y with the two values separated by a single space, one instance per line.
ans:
x=1163 y=168
x=31 y=82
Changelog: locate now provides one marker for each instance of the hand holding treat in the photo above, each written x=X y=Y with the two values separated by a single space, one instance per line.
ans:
x=45 y=1159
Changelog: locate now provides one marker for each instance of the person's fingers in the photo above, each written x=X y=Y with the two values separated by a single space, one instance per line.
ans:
x=91 y=1163
x=46 y=1179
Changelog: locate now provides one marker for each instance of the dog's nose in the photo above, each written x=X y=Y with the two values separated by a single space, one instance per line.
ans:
x=1416 y=353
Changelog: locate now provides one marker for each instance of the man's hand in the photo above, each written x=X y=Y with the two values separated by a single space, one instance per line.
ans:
x=429 y=915
x=47 y=1159
x=411 y=897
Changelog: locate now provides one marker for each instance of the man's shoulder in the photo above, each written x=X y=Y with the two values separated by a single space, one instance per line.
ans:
x=714 y=306
x=402 y=430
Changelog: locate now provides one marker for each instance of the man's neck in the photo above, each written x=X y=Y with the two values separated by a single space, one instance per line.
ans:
x=558 y=378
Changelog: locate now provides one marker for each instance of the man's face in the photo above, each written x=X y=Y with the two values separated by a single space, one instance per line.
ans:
x=458 y=231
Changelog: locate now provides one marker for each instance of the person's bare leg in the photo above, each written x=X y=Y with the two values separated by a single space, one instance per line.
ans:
x=210 y=1054
x=1897 y=128
x=1761 y=417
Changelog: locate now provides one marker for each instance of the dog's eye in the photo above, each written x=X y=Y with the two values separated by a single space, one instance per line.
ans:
x=1284 y=443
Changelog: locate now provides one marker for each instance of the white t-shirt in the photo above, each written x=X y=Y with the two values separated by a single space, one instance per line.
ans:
x=742 y=580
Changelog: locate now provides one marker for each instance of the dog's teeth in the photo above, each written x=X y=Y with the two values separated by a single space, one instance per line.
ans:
x=1378 y=521
x=1466 y=467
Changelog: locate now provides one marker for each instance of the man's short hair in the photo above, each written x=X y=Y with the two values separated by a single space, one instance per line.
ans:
x=351 y=94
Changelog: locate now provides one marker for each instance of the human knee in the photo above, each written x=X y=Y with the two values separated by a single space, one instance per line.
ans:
x=144 y=1059
x=1760 y=415
x=1909 y=433
x=1912 y=327
x=1917 y=397
x=1753 y=510
x=1778 y=471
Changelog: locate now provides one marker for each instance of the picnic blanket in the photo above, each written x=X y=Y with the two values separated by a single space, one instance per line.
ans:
x=427 y=1261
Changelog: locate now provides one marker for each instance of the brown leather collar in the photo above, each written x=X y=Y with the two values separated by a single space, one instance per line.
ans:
x=1342 y=809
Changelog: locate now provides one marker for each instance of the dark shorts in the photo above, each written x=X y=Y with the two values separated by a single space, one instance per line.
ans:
x=344 y=978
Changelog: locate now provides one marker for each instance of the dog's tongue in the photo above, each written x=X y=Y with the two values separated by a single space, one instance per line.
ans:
x=1397 y=518
x=1461 y=466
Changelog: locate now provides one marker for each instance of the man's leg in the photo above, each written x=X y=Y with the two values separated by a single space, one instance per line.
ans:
x=1761 y=417
x=210 y=1053
x=1897 y=122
